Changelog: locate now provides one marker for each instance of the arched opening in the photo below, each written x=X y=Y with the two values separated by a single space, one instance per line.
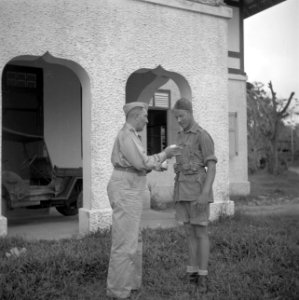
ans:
x=45 y=103
x=160 y=89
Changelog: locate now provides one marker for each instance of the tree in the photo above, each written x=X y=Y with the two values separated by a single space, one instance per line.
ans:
x=257 y=124
x=265 y=119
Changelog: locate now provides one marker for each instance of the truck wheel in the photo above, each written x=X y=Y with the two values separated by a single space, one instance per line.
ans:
x=73 y=209
x=67 y=211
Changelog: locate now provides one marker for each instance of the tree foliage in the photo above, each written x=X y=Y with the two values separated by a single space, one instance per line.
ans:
x=265 y=113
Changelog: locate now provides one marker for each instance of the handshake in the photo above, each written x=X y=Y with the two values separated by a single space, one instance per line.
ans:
x=172 y=150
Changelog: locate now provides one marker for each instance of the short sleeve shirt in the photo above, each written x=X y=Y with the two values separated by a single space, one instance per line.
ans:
x=197 y=149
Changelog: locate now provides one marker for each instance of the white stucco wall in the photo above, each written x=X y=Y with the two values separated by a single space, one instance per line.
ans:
x=110 y=40
x=238 y=166
x=234 y=31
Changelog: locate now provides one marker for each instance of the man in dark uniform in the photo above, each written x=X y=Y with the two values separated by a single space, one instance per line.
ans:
x=195 y=171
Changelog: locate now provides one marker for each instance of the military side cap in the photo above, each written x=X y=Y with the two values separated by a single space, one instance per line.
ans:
x=129 y=106
x=183 y=104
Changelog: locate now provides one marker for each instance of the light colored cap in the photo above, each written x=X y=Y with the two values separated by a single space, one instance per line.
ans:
x=129 y=106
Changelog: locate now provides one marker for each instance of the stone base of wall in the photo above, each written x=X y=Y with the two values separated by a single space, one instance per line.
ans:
x=239 y=188
x=93 y=220
x=3 y=226
x=218 y=209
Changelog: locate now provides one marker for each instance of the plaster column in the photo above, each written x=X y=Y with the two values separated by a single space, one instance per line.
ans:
x=91 y=220
x=3 y=225
x=238 y=164
x=3 y=220
x=224 y=208
x=96 y=211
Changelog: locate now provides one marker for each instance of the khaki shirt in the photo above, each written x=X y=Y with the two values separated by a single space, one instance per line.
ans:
x=197 y=149
x=128 y=152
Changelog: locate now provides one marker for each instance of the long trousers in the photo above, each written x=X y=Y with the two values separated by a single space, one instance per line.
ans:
x=126 y=192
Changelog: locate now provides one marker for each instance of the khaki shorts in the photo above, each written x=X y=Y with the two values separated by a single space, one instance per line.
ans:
x=186 y=212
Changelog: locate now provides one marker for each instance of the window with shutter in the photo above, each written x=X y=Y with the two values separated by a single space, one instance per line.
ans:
x=157 y=122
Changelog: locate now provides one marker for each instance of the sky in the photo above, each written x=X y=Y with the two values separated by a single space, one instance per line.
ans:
x=271 y=48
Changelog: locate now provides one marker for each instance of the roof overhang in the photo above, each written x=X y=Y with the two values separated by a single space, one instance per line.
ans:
x=17 y=136
x=252 y=7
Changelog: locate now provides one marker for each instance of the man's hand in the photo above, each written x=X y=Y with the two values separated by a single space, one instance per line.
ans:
x=164 y=166
x=203 y=199
x=172 y=150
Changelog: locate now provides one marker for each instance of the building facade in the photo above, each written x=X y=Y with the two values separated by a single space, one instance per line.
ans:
x=95 y=57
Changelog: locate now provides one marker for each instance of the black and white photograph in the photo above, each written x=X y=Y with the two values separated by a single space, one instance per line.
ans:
x=149 y=149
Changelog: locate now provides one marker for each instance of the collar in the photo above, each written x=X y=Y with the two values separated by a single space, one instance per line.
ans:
x=131 y=128
x=193 y=129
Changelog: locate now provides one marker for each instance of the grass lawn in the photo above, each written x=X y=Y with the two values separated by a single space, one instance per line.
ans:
x=268 y=189
x=252 y=257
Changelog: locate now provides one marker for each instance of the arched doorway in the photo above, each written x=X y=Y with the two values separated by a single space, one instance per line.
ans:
x=43 y=133
x=160 y=89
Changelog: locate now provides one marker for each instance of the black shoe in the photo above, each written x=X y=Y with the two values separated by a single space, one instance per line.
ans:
x=193 y=278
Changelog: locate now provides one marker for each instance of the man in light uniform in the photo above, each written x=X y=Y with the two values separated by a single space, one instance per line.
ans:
x=195 y=170
x=127 y=190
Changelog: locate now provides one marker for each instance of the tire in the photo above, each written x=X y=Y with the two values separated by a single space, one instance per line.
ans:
x=72 y=210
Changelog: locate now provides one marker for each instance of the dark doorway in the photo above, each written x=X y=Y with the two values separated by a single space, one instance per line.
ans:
x=22 y=89
x=156 y=131
x=22 y=112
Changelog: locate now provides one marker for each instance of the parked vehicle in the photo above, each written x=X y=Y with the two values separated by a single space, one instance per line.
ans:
x=30 y=180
